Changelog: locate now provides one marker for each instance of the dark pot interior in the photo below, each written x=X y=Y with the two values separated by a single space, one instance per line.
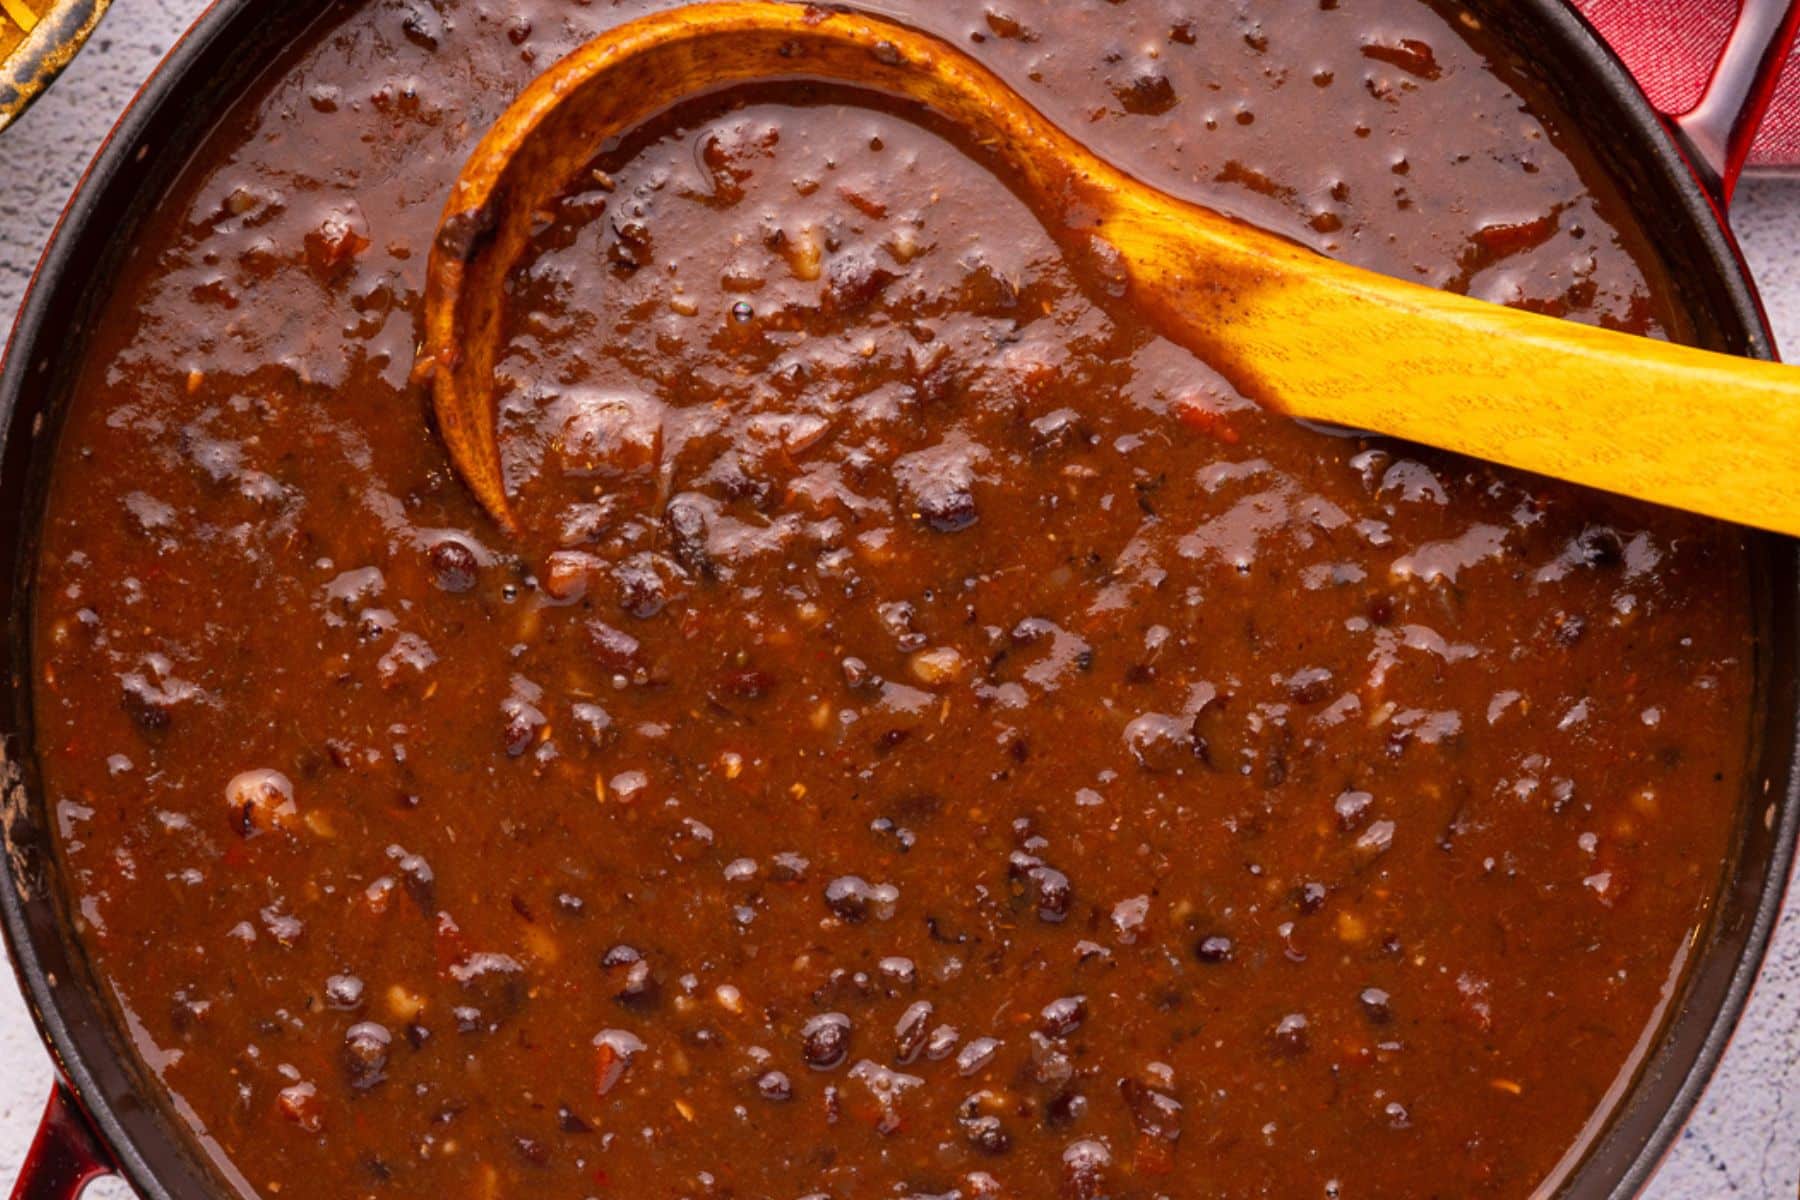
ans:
x=240 y=38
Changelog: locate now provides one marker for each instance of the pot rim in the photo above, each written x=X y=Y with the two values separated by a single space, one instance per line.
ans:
x=174 y=81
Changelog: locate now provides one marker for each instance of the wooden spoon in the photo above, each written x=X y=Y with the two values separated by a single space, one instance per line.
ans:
x=1289 y=328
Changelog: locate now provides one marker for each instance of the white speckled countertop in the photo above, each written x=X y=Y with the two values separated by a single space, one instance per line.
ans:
x=1744 y=1140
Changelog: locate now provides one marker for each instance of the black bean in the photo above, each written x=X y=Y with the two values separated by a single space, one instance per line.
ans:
x=825 y=1040
x=788 y=867
x=1160 y=742
x=453 y=566
x=854 y=281
x=775 y=1085
x=1084 y=1170
x=1213 y=948
x=1055 y=895
x=985 y=292
x=186 y=1010
x=366 y=1054
x=1600 y=546
x=373 y=624
x=1289 y=1034
x=637 y=986
x=1146 y=93
x=1005 y=25
x=594 y=724
x=898 y=618
x=849 y=898
x=1048 y=888
x=1065 y=1109
x=904 y=838
x=614 y=649
x=570 y=1121
x=344 y=992
x=686 y=523
x=417 y=876
x=986 y=1134
x=910 y=1031
x=735 y=481
x=495 y=982
x=148 y=711
x=639 y=989
x=1311 y=897
x=941 y=1042
x=1352 y=809
x=1055 y=429
x=631 y=246
x=1156 y=1114
x=531 y=1151
x=1374 y=1003
x=520 y=721
x=976 y=1055
x=642 y=592
x=1062 y=1017
x=422 y=26
x=947 y=509
x=891 y=739
x=1049 y=1065
x=1309 y=685
x=898 y=970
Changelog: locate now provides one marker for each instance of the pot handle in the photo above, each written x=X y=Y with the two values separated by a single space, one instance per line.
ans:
x=65 y=1155
x=1717 y=133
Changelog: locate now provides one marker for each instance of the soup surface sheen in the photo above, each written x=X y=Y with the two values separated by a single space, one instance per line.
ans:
x=933 y=737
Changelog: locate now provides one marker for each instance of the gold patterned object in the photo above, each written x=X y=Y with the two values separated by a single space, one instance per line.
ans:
x=23 y=19
x=38 y=38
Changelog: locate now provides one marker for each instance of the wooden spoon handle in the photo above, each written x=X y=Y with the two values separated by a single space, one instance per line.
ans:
x=1685 y=428
x=1691 y=429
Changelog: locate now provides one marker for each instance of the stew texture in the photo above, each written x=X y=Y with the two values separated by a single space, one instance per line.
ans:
x=932 y=738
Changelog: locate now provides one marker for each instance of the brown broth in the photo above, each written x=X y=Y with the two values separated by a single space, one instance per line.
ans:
x=933 y=737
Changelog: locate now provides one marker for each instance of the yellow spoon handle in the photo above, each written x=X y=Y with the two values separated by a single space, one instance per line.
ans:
x=1292 y=329
x=1691 y=429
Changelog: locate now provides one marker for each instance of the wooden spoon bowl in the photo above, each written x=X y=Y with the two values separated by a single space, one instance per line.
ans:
x=1293 y=330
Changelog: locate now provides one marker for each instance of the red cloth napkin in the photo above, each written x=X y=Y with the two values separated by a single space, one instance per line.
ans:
x=1671 y=46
